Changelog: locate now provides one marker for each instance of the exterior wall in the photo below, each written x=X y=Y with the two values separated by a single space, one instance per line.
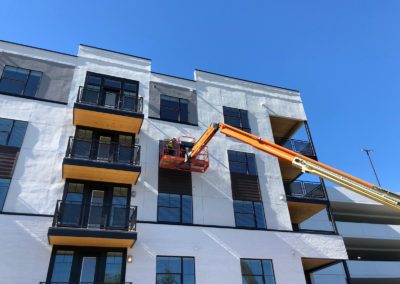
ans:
x=56 y=79
x=218 y=251
x=37 y=182
x=25 y=252
x=158 y=89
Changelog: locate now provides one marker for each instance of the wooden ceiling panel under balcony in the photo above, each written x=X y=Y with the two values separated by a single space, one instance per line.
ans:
x=102 y=119
x=91 y=238
x=301 y=211
x=315 y=263
x=91 y=173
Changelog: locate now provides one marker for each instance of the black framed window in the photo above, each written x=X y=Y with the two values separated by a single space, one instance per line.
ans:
x=12 y=132
x=4 y=185
x=257 y=271
x=247 y=205
x=20 y=81
x=237 y=118
x=249 y=214
x=62 y=266
x=111 y=92
x=175 y=269
x=242 y=163
x=175 y=208
x=87 y=265
x=174 y=109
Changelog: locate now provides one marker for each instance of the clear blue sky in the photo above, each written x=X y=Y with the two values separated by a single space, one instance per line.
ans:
x=344 y=57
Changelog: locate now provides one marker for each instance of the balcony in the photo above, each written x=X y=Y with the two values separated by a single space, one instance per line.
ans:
x=101 y=161
x=299 y=146
x=306 y=200
x=108 y=110
x=93 y=225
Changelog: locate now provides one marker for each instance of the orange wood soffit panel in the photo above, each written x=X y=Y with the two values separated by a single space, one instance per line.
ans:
x=313 y=263
x=91 y=242
x=99 y=174
x=115 y=122
x=301 y=211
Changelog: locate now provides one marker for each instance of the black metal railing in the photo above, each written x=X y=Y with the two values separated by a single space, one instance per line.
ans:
x=298 y=146
x=95 y=216
x=103 y=151
x=52 y=282
x=305 y=189
x=115 y=100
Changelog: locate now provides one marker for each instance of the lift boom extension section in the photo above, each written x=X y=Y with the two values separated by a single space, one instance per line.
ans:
x=304 y=163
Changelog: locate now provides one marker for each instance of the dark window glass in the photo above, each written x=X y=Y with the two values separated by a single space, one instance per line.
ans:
x=4 y=185
x=237 y=118
x=62 y=266
x=175 y=270
x=20 y=81
x=12 y=132
x=71 y=209
x=257 y=271
x=242 y=163
x=175 y=208
x=111 y=92
x=113 y=271
x=249 y=214
x=174 y=109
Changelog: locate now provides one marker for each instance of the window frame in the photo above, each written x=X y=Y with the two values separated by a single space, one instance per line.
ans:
x=240 y=116
x=254 y=215
x=179 y=109
x=181 y=260
x=100 y=253
x=121 y=92
x=3 y=202
x=180 y=209
x=249 y=169
x=26 y=82
x=262 y=268
x=10 y=133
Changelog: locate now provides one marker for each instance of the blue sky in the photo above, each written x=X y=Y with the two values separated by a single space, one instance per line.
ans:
x=344 y=57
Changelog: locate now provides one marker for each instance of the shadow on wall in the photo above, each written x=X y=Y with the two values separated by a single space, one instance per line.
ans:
x=35 y=187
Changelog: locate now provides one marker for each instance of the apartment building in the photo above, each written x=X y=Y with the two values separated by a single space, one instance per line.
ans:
x=84 y=200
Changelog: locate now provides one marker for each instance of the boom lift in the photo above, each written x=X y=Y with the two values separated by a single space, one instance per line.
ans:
x=196 y=160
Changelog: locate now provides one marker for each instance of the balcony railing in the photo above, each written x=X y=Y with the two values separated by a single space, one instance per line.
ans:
x=305 y=189
x=299 y=146
x=102 y=151
x=95 y=216
x=109 y=99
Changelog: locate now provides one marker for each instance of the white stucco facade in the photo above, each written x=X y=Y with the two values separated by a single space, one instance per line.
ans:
x=212 y=240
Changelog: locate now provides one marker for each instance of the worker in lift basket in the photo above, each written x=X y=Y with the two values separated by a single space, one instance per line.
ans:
x=171 y=147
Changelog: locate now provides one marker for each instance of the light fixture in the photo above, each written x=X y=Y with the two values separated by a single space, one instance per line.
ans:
x=129 y=259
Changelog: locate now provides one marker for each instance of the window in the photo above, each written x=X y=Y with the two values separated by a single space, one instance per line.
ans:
x=20 y=81
x=242 y=163
x=12 y=132
x=87 y=265
x=62 y=266
x=174 y=109
x=257 y=271
x=237 y=118
x=113 y=272
x=175 y=270
x=4 y=185
x=249 y=214
x=175 y=208
x=111 y=92
x=247 y=205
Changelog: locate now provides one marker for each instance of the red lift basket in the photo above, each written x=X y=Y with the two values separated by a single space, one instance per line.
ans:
x=174 y=157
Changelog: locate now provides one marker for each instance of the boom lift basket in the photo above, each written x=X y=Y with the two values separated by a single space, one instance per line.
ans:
x=173 y=152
